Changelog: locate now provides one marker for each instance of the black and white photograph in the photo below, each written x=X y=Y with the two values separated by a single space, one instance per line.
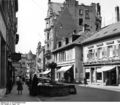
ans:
x=59 y=51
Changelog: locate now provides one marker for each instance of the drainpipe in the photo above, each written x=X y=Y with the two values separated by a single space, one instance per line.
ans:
x=117 y=76
x=117 y=14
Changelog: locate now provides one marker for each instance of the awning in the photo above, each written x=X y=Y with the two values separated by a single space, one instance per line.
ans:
x=105 y=68
x=64 y=69
x=87 y=70
x=46 y=72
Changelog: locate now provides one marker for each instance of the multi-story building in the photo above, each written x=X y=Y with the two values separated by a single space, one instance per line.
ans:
x=31 y=64
x=40 y=58
x=66 y=18
x=69 y=58
x=101 y=59
x=8 y=39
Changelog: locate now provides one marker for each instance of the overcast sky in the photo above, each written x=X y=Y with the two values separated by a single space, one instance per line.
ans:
x=31 y=23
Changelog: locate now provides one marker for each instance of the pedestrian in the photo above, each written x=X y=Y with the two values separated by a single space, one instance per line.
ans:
x=19 y=86
x=34 y=85
x=9 y=86
x=85 y=81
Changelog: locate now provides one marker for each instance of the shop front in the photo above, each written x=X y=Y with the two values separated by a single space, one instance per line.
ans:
x=65 y=74
x=104 y=75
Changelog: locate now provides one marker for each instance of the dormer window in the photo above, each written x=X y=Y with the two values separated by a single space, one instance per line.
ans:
x=66 y=40
x=59 y=44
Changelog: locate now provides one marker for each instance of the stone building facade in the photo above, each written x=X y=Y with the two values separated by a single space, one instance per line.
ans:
x=40 y=58
x=69 y=58
x=8 y=39
x=66 y=18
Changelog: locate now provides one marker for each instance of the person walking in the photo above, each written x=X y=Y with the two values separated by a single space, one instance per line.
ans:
x=19 y=86
x=34 y=85
x=85 y=81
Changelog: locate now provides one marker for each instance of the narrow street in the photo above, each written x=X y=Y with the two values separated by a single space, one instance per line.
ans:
x=84 y=94
x=25 y=97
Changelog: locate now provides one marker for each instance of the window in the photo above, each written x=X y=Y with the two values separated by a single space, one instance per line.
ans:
x=80 y=12
x=59 y=44
x=48 y=46
x=66 y=40
x=47 y=36
x=110 y=51
x=99 y=53
x=86 y=27
x=91 y=54
x=80 y=21
x=87 y=14
x=99 y=76
x=87 y=75
x=119 y=50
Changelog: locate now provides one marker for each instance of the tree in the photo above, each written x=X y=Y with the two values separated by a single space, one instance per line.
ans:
x=52 y=66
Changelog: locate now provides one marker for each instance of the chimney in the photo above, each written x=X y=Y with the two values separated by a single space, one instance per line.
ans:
x=117 y=14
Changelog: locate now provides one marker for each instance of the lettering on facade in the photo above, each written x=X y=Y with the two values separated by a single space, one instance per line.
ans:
x=103 y=62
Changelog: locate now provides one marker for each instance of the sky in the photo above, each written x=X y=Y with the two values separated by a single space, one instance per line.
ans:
x=31 y=23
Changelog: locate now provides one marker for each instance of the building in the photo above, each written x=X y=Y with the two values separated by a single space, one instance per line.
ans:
x=21 y=66
x=8 y=39
x=40 y=58
x=69 y=58
x=66 y=18
x=101 y=59
x=31 y=64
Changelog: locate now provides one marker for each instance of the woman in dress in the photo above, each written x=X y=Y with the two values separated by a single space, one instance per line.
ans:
x=19 y=86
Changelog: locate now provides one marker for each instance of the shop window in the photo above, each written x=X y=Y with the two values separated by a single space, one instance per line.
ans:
x=99 y=76
x=87 y=75
x=80 y=21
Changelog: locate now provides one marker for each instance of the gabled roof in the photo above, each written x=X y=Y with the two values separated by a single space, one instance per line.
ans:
x=67 y=24
x=105 y=32
x=56 y=7
x=78 y=41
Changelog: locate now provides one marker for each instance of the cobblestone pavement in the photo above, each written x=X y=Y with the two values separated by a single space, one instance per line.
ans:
x=25 y=97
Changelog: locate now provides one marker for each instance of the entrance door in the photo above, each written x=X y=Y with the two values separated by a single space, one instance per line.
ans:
x=113 y=77
x=110 y=77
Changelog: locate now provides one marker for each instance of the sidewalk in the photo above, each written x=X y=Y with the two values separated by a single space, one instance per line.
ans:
x=111 y=88
x=25 y=97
